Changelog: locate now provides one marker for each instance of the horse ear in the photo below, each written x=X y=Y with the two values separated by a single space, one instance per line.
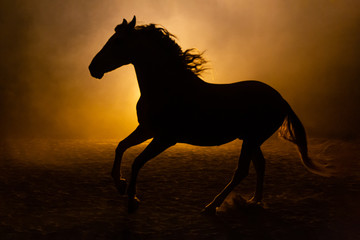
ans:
x=132 y=23
x=124 y=22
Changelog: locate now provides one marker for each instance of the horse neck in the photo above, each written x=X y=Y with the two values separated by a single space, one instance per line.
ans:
x=155 y=79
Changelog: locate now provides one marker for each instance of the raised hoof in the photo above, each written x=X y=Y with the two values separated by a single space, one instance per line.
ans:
x=209 y=211
x=121 y=185
x=133 y=204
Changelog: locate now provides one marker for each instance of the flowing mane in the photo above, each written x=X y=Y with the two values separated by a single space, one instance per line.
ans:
x=190 y=59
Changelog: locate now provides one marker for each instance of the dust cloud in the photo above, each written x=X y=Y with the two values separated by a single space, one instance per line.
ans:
x=307 y=50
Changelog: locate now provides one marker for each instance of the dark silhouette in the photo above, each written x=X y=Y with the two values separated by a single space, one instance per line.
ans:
x=177 y=106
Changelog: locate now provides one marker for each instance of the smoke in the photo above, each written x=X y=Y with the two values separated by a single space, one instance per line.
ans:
x=307 y=50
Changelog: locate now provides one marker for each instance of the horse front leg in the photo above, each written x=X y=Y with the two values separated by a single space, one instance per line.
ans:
x=138 y=136
x=153 y=149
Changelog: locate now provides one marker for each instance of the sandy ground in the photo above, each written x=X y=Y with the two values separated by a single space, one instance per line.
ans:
x=61 y=189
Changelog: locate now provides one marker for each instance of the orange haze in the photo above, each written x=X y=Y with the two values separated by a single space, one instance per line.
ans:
x=307 y=50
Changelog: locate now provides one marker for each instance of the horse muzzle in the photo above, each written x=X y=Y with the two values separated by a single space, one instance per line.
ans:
x=94 y=73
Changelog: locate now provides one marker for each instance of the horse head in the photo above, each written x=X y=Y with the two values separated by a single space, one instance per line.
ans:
x=116 y=52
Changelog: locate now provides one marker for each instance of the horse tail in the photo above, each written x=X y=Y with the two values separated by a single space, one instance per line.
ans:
x=293 y=130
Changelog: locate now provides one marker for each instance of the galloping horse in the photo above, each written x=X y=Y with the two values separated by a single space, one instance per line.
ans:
x=177 y=106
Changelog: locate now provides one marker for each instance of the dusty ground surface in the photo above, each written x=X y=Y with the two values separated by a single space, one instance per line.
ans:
x=61 y=189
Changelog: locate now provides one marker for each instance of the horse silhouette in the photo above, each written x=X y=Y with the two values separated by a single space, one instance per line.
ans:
x=177 y=106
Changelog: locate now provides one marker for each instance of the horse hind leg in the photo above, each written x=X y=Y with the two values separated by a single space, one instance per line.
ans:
x=240 y=173
x=259 y=164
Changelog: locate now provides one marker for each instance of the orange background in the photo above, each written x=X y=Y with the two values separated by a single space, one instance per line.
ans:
x=307 y=50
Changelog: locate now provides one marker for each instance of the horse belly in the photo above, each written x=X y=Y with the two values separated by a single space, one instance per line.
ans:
x=209 y=138
x=208 y=132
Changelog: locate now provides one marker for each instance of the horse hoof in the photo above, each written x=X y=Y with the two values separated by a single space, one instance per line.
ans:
x=254 y=203
x=121 y=185
x=209 y=211
x=133 y=205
